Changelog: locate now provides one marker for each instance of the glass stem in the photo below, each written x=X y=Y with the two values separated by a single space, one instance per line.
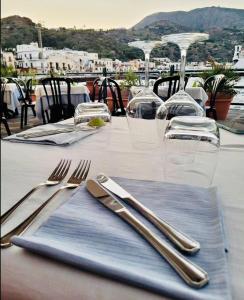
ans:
x=147 y=57
x=182 y=68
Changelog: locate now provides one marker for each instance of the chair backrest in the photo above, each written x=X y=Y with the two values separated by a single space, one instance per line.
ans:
x=109 y=86
x=55 y=89
x=20 y=89
x=173 y=85
x=3 y=105
x=212 y=85
x=28 y=90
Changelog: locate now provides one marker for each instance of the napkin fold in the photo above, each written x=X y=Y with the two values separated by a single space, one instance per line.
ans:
x=84 y=233
x=60 y=139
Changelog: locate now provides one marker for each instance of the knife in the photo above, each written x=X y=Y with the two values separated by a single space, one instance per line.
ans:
x=192 y=274
x=181 y=240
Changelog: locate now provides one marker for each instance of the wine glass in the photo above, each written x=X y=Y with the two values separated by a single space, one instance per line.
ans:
x=91 y=116
x=144 y=106
x=181 y=103
x=191 y=146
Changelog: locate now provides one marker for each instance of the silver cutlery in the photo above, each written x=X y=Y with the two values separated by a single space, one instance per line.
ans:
x=79 y=175
x=55 y=178
x=192 y=274
x=181 y=240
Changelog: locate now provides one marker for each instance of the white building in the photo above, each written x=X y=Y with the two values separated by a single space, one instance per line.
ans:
x=7 y=59
x=239 y=57
x=47 y=59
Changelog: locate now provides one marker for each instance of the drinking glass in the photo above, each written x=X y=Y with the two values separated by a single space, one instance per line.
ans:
x=181 y=103
x=144 y=106
x=191 y=146
x=96 y=114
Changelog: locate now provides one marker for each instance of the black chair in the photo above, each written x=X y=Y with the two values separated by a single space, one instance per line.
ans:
x=108 y=84
x=213 y=86
x=24 y=99
x=57 y=109
x=4 y=108
x=173 y=85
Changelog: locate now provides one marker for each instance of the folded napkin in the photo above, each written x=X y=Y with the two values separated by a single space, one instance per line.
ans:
x=84 y=233
x=60 y=139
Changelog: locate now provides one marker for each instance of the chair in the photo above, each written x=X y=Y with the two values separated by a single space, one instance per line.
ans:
x=56 y=109
x=213 y=85
x=109 y=89
x=173 y=85
x=24 y=99
x=4 y=108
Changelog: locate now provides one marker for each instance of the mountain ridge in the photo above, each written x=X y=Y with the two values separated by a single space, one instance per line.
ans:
x=199 y=18
x=114 y=43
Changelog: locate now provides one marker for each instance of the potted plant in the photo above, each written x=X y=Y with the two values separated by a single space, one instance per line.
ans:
x=226 y=92
x=131 y=79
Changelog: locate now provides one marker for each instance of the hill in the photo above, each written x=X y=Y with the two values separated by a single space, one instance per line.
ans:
x=199 y=19
x=114 y=43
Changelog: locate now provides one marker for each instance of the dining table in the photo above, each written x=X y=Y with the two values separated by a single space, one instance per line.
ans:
x=79 y=93
x=197 y=93
x=11 y=96
x=26 y=275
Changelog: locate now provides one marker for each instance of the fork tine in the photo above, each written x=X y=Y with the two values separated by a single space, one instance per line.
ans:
x=65 y=171
x=62 y=170
x=87 y=171
x=76 y=170
x=56 y=174
x=80 y=169
x=84 y=173
x=55 y=170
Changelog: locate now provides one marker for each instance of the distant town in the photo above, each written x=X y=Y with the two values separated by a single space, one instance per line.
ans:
x=43 y=60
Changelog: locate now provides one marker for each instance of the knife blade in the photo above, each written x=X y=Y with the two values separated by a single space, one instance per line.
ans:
x=192 y=274
x=181 y=240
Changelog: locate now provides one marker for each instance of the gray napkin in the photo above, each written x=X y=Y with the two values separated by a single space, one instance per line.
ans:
x=60 y=139
x=84 y=233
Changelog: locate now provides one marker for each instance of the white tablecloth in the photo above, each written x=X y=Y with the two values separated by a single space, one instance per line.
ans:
x=197 y=93
x=76 y=90
x=11 y=96
x=28 y=276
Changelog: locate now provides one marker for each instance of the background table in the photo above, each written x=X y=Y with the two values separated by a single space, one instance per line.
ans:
x=197 y=93
x=79 y=94
x=11 y=96
x=28 y=276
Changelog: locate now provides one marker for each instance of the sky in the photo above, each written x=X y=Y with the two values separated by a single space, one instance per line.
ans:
x=100 y=14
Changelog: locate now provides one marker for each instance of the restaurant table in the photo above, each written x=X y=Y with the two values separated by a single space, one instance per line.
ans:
x=79 y=94
x=30 y=276
x=197 y=93
x=11 y=96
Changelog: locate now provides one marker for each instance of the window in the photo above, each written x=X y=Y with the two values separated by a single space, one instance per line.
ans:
x=57 y=66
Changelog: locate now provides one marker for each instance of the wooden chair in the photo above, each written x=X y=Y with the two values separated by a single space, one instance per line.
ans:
x=57 y=109
x=173 y=85
x=212 y=86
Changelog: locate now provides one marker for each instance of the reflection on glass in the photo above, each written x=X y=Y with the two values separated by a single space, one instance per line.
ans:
x=191 y=147
x=181 y=103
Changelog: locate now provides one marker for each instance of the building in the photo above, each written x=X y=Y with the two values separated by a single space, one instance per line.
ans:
x=8 y=59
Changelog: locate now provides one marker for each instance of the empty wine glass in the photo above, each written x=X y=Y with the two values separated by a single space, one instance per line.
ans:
x=181 y=103
x=144 y=106
x=91 y=115
x=191 y=147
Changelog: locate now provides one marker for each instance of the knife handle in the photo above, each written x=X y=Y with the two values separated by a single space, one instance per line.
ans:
x=192 y=274
x=181 y=240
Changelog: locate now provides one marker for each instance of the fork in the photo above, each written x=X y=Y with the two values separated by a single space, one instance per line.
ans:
x=79 y=175
x=55 y=178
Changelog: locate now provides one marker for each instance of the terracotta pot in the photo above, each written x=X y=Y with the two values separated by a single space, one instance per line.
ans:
x=222 y=105
x=33 y=97
x=110 y=103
